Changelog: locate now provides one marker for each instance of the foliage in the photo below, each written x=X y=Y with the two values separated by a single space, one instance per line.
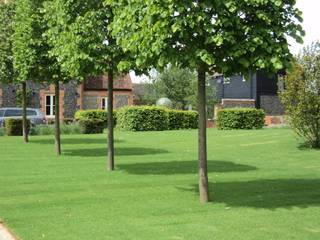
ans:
x=142 y=118
x=26 y=39
x=66 y=129
x=6 y=30
x=178 y=119
x=240 y=118
x=176 y=84
x=95 y=114
x=2 y=131
x=301 y=96
x=220 y=36
x=14 y=127
x=79 y=36
x=92 y=126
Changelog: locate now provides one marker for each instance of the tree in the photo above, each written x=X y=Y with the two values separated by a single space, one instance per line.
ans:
x=175 y=84
x=83 y=45
x=208 y=36
x=24 y=53
x=301 y=95
x=31 y=55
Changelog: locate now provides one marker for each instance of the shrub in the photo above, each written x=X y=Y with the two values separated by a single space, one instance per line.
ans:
x=66 y=129
x=92 y=126
x=178 y=119
x=95 y=114
x=42 y=130
x=142 y=118
x=14 y=127
x=1 y=131
x=68 y=121
x=240 y=118
x=301 y=96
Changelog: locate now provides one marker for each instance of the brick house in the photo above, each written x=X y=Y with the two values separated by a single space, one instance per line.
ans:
x=91 y=94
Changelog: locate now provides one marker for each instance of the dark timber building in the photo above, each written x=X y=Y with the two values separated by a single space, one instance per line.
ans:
x=260 y=91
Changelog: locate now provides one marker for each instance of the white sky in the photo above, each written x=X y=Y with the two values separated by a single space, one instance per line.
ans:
x=311 y=25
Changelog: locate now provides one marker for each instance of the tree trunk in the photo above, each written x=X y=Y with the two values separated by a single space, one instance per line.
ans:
x=57 y=119
x=203 y=173
x=24 y=113
x=110 y=122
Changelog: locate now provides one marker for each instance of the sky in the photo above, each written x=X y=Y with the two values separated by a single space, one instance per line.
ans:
x=311 y=25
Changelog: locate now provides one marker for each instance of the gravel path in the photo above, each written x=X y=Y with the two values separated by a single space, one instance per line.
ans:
x=5 y=234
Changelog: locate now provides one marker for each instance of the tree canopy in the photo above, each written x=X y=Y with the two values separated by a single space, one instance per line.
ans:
x=6 y=30
x=228 y=37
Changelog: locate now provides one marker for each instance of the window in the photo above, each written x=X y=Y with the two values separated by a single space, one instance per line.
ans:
x=1 y=113
x=31 y=113
x=13 y=113
x=104 y=103
x=50 y=105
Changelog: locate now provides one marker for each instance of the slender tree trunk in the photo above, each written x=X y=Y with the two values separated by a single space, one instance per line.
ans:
x=203 y=173
x=57 y=119
x=110 y=122
x=24 y=113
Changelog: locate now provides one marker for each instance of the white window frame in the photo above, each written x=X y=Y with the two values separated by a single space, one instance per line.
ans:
x=105 y=107
x=52 y=105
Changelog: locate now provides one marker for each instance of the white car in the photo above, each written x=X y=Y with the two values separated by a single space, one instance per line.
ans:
x=34 y=115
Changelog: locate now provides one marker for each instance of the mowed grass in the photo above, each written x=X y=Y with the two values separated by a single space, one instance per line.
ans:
x=263 y=187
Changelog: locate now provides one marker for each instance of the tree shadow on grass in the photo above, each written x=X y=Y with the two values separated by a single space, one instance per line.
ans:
x=182 y=167
x=126 y=151
x=268 y=194
x=75 y=141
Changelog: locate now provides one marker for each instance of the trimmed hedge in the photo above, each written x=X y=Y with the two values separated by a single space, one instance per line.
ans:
x=145 y=118
x=142 y=118
x=91 y=126
x=178 y=119
x=95 y=114
x=13 y=127
x=240 y=118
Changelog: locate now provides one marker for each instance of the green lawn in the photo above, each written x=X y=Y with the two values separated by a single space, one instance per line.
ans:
x=263 y=187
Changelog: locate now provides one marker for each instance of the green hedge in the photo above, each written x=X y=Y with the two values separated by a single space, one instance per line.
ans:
x=66 y=129
x=13 y=127
x=182 y=119
x=145 y=118
x=142 y=119
x=91 y=126
x=240 y=118
x=95 y=114
x=1 y=131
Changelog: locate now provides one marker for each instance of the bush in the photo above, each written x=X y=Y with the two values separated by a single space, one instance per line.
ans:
x=178 y=119
x=142 y=118
x=240 y=118
x=92 y=126
x=68 y=121
x=66 y=129
x=1 y=131
x=301 y=96
x=14 y=127
x=95 y=114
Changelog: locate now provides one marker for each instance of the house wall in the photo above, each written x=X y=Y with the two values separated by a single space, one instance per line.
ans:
x=92 y=99
x=238 y=88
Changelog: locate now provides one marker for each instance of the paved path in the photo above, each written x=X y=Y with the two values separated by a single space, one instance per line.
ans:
x=5 y=234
